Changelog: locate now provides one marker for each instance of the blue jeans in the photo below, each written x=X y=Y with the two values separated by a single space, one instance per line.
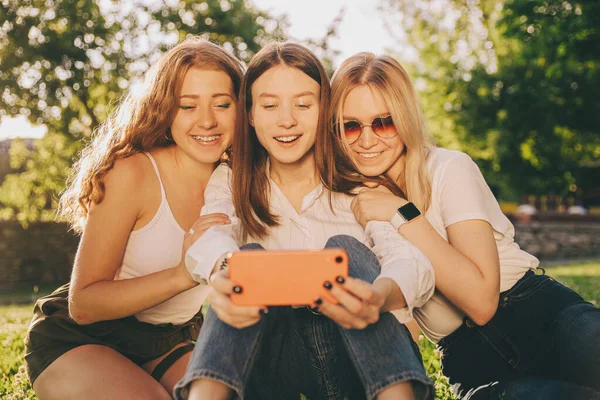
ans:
x=292 y=351
x=542 y=343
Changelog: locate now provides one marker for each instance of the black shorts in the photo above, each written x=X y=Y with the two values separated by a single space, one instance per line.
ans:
x=52 y=333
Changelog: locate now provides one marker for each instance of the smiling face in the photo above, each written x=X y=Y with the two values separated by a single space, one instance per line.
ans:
x=285 y=113
x=371 y=154
x=204 y=124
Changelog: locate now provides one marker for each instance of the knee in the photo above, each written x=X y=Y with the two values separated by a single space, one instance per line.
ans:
x=345 y=242
x=362 y=263
x=252 y=246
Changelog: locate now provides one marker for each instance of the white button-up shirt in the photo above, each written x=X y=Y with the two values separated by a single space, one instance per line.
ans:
x=310 y=229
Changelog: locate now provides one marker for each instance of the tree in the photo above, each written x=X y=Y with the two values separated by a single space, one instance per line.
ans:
x=513 y=82
x=440 y=43
x=322 y=47
x=540 y=109
x=63 y=63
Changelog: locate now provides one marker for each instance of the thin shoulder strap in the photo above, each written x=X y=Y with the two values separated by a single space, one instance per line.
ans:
x=162 y=188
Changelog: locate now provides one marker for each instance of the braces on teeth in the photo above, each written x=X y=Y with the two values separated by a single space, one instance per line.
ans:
x=207 y=139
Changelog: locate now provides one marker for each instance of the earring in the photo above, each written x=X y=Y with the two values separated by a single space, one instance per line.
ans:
x=168 y=135
x=225 y=157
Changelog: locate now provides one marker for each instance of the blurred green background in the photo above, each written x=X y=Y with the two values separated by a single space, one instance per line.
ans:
x=512 y=83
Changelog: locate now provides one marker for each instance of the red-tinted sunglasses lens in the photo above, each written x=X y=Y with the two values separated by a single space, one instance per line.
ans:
x=384 y=127
x=352 y=130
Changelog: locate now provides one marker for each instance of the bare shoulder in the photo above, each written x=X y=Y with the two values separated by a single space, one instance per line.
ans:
x=128 y=180
x=126 y=173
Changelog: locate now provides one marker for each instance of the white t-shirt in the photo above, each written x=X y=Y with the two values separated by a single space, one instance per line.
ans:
x=460 y=193
x=310 y=229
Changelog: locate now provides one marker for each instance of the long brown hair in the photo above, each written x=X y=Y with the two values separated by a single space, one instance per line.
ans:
x=141 y=122
x=250 y=186
x=384 y=74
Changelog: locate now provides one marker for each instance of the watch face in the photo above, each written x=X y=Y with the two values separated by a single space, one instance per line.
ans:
x=409 y=211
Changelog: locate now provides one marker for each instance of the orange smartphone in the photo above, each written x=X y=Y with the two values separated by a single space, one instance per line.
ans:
x=285 y=278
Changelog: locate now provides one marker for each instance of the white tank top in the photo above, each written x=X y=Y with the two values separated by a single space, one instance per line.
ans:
x=156 y=247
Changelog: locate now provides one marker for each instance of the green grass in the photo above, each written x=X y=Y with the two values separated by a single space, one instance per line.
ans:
x=583 y=278
x=24 y=294
x=14 y=320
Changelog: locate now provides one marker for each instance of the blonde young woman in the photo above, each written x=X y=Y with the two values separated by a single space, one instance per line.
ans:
x=493 y=317
x=352 y=350
x=123 y=326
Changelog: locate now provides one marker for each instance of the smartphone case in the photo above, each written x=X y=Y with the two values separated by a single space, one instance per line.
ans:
x=285 y=278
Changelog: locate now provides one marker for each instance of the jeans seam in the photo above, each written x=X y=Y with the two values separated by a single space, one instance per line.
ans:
x=497 y=350
x=303 y=346
x=318 y=338
x=373 y=389
x=529 y=292
x=355 y=362
x=252 y=355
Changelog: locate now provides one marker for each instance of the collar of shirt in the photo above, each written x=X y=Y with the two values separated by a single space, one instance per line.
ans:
x=282 y=206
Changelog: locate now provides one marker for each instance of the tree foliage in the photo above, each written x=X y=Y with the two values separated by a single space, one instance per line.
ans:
x=541 y=110
x=63 y=63
x=512 y=83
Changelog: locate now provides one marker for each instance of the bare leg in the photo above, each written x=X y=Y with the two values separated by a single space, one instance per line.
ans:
x=175 y=371
x=202 y=389
x=399 y=391
x=95 y=372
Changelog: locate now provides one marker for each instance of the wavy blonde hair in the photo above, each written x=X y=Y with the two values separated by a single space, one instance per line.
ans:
x=141 y=122
x=385 y=75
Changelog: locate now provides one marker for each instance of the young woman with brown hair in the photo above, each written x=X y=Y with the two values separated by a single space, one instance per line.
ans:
x=354 y=349
x=123 y=326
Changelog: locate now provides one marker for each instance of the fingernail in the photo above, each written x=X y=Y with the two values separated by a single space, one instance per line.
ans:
x=328 y=285
x=318 y=301
x=340 y=279
x=237 y=289
x=263 y=311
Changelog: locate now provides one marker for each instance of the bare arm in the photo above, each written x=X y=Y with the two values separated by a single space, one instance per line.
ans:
x=394 y=298
x=94 y=294
x=467 y=266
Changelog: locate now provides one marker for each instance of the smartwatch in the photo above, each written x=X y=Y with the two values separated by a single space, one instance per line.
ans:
x=406 y=213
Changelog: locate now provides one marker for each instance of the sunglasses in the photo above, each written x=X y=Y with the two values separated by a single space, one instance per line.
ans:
x=383 y=127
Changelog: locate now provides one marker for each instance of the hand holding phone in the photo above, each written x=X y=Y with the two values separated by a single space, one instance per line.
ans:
x=285 y=278
x=220 y=302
